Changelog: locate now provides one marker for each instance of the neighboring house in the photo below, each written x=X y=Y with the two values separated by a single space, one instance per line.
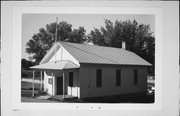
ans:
x=92 y=71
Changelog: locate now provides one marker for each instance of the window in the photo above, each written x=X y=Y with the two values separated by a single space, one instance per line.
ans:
x=135 y=77
x=50 y=81
x=118 y=77
x=98 y=78
x=71 y=79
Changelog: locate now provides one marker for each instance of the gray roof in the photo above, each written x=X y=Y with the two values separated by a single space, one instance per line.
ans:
x=103 y=55
x=56 y=65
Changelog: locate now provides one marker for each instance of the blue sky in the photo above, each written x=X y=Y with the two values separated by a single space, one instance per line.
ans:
x=31 y=23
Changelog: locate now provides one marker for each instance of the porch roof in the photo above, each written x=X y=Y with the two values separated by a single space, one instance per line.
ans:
x=56 y=65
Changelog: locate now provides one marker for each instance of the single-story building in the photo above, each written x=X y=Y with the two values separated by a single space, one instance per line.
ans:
x=92 y=71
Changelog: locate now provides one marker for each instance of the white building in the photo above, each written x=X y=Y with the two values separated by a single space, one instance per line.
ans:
x=91 y=71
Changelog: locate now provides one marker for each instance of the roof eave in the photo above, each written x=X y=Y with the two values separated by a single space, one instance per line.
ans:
x=147 y=65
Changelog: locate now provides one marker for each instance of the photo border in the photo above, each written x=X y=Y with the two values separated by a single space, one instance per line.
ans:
x=17 y=35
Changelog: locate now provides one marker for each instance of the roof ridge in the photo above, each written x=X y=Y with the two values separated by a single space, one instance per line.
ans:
x=94 y=45
x=90 y=52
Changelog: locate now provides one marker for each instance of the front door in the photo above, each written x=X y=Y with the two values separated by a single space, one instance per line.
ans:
x=59 y=86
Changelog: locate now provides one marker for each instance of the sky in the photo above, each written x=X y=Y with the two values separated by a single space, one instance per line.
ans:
x=31 y=23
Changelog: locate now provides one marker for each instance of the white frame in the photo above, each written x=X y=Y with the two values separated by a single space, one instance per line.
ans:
x=17 y=27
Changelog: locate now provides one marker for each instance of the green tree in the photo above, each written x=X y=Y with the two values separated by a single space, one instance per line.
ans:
x=138 y=37
x=41 y=42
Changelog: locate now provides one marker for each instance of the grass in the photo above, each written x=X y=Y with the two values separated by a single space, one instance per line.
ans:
x=34 y=100
x=26 y=93
x=29 y=86
x=26 y=96
x=131 y=98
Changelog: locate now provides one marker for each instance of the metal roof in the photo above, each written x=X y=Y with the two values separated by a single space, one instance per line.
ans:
x=103 y=55
x=56 y=65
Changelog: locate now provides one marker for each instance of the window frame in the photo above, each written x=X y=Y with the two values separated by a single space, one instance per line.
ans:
x=135 y=74
x=118 y=78
x=99 y=78
x=71 y=79
x=50 y=81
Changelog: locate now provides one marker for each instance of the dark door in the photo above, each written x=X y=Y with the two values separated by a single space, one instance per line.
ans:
x=59 y=86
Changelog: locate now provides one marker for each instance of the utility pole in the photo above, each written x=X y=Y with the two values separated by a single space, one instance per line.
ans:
x=56 y=29
x=56 y=38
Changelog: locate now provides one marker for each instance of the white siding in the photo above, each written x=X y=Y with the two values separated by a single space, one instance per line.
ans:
x=88 y=80
x=48 y=87
x=63 y=54
x=75 y=91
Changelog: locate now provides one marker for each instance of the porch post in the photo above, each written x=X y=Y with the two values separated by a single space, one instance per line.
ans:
x=33 y=85
x=63 y=85
x=52 y=84
x=41 y=80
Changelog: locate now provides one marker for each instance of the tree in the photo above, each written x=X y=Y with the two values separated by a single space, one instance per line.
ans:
x=77 y=35
x=26 y=64
x=41 y=42
x=138 y=37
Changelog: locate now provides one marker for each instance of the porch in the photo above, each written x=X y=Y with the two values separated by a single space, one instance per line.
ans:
x=60 y=79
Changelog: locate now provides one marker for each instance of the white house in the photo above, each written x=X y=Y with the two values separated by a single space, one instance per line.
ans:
x=92 y=71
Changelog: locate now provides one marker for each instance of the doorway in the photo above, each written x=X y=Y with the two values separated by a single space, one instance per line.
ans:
x=59 y=85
